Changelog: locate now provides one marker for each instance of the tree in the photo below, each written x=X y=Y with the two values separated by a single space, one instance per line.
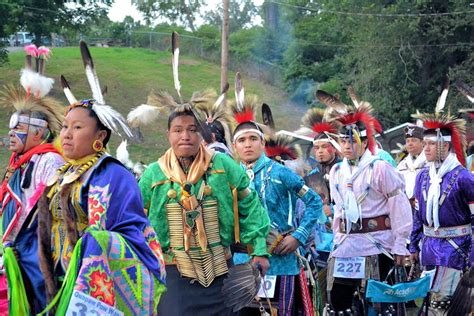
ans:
x=174 y=10
x=225 y=44
x=42 y=17
x=395 y=53
x=241 y=15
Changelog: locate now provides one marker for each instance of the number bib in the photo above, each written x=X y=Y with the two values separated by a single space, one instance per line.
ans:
x=269 y=284
x=83 y=304
x=349 y=268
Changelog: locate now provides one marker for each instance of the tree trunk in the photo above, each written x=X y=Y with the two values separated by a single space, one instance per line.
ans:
x=189 y=16
x=225 y=44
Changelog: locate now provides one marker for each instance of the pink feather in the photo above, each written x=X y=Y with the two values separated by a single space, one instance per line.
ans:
x=31 y=50
x=44 y=51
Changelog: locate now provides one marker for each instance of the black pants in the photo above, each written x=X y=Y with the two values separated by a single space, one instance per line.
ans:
x=183 y=298
x=342 y=293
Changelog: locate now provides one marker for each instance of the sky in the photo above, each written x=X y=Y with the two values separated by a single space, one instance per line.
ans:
x=121 y=8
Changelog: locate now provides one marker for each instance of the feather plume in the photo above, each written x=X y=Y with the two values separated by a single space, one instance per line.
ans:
x=162 y=99
x=112 y=119
x=363 y=116
x=456 y=126
x=353 y=96
x=267 y=116
x=442 y=98
x=239 y=91
x=221 y=98
x=282 y=147
x=241 y=286
x=465 y=90
x=175 y=63
x=314 y=119
x=244 y=111
x=331 y=101
x=31 y=50
x=35 y=84
x=14 y=95
x=67 y=90
x=123 y=156
x=91 y=74
x=305 y=131
x=143 y=114
x=44 y=52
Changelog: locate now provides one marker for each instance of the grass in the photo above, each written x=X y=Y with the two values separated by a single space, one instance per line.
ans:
x=130 y=74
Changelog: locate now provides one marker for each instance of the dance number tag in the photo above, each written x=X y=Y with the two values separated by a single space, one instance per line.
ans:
x=268 y=283
x=349 y=268
x=82 y=304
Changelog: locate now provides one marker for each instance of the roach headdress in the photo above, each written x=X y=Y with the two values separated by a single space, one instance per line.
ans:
x=163 y=101
x=443 y=127
x=32 y=98
x=279 y=147
x=355 y=122
x=243 y=109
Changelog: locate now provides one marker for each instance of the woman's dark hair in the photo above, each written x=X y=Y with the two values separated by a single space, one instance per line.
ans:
x=176 y=114
x=100 y=126
x=217 y=128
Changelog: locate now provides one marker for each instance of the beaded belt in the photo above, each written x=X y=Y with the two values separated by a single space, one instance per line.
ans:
x=448 y=232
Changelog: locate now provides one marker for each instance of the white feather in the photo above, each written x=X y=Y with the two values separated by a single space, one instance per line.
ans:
x=143 y=114
x=69 y=96
x=122 y=154
x=177 y=84
x=305 y=131
x=112 y=119
x=38 y=85
x=219 y=101
x=333 y=142
x=94 y=84
x=441 y=101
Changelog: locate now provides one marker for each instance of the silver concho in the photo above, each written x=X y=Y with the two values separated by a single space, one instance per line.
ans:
x=372 y=224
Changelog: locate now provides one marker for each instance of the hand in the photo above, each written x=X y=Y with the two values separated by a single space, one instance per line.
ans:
x=414 y=257
x=327 y=210
x=262 y=264
x=289 y=244
x=399 y=260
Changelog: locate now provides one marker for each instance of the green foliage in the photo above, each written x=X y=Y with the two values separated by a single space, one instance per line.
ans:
x=241 y=15
x=43 y=17
x=184 y=12
x=394 y=60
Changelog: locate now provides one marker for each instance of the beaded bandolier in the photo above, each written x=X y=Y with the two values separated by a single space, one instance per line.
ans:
x=194 y=234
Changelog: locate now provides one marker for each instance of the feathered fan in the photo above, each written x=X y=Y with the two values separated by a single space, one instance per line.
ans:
x=241 y=286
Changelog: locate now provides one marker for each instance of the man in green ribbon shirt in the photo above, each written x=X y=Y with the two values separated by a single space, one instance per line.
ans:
x=199 y=202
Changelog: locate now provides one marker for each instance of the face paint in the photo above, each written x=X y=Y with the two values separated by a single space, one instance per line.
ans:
x=21 y=136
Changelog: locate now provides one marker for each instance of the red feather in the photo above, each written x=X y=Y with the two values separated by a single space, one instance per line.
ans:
x=247 y=115
x=323 y=127
x=273 y=151
x=456 y=137
x=368 y=121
